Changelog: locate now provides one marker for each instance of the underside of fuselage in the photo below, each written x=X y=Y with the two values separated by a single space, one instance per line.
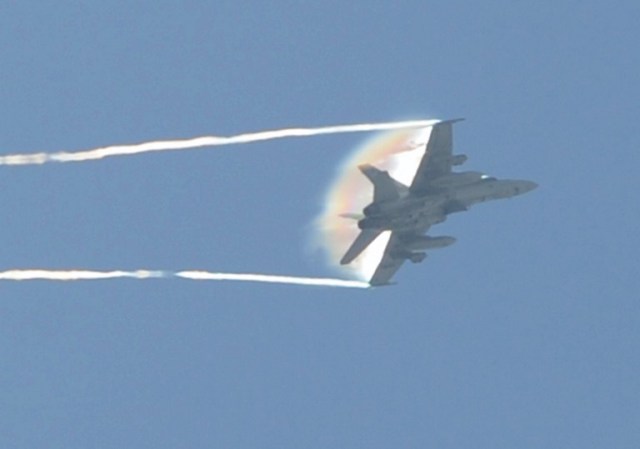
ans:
x=408 y=214
x=417 y=211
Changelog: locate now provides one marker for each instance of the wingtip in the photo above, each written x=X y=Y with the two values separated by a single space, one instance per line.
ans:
x=347 y=259
x=381 y=284
x=452 y=120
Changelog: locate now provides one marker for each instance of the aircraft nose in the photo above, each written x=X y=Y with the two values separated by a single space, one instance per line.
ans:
x=525 y=186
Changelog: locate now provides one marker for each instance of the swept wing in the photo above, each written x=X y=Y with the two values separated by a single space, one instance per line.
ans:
x=393 y=258
x=436 y=162
x=438 y=157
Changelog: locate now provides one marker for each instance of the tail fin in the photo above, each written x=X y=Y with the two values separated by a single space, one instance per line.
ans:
x=384 y=186
x=361 y=242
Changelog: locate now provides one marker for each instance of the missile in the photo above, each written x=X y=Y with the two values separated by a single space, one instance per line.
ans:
x=424 y=242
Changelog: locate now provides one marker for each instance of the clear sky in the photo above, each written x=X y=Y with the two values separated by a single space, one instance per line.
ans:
x=525 y=333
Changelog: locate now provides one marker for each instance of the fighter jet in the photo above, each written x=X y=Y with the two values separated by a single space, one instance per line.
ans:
x=408 y=211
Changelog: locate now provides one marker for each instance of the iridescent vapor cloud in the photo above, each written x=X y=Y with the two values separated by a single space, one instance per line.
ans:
x=398 y=152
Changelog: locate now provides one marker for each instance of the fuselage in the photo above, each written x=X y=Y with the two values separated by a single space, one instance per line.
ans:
x=454 y=193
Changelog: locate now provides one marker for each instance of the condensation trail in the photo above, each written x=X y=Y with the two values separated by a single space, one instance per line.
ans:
x=76 y=275
x=172 y=145
x=246 y=277
x=86 y=275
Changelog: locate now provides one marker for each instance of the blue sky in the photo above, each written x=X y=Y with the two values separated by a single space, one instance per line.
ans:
x=522 y=334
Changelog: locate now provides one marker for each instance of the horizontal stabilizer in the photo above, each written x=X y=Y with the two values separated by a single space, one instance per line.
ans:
x=361 y=242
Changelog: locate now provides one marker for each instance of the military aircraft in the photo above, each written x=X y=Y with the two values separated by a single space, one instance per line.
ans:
x=409 y=211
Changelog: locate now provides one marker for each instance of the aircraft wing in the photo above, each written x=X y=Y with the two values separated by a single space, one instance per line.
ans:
x=437 y=156
x=390 y=264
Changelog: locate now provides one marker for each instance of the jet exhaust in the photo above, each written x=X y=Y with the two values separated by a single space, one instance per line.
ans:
x=89 y=275
x=205 y=141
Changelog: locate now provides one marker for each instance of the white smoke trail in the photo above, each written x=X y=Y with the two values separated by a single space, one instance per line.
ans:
x=170 y=145
x=86 y=275
x=246 y=277
x=76 y=275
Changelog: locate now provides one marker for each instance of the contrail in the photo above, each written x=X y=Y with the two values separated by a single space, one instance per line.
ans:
x=76 y=275
x=246 y=277
x=86 y=275
x=205 y=141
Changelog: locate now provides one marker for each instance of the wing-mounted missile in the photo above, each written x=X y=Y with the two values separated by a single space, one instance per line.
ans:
x=417 y=257
x=425 y=242
x=458 y=159
x=412 y=247
x=413 y=256
x=448 y=159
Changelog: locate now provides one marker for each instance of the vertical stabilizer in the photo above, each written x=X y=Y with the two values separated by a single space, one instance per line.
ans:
x=385 y=188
